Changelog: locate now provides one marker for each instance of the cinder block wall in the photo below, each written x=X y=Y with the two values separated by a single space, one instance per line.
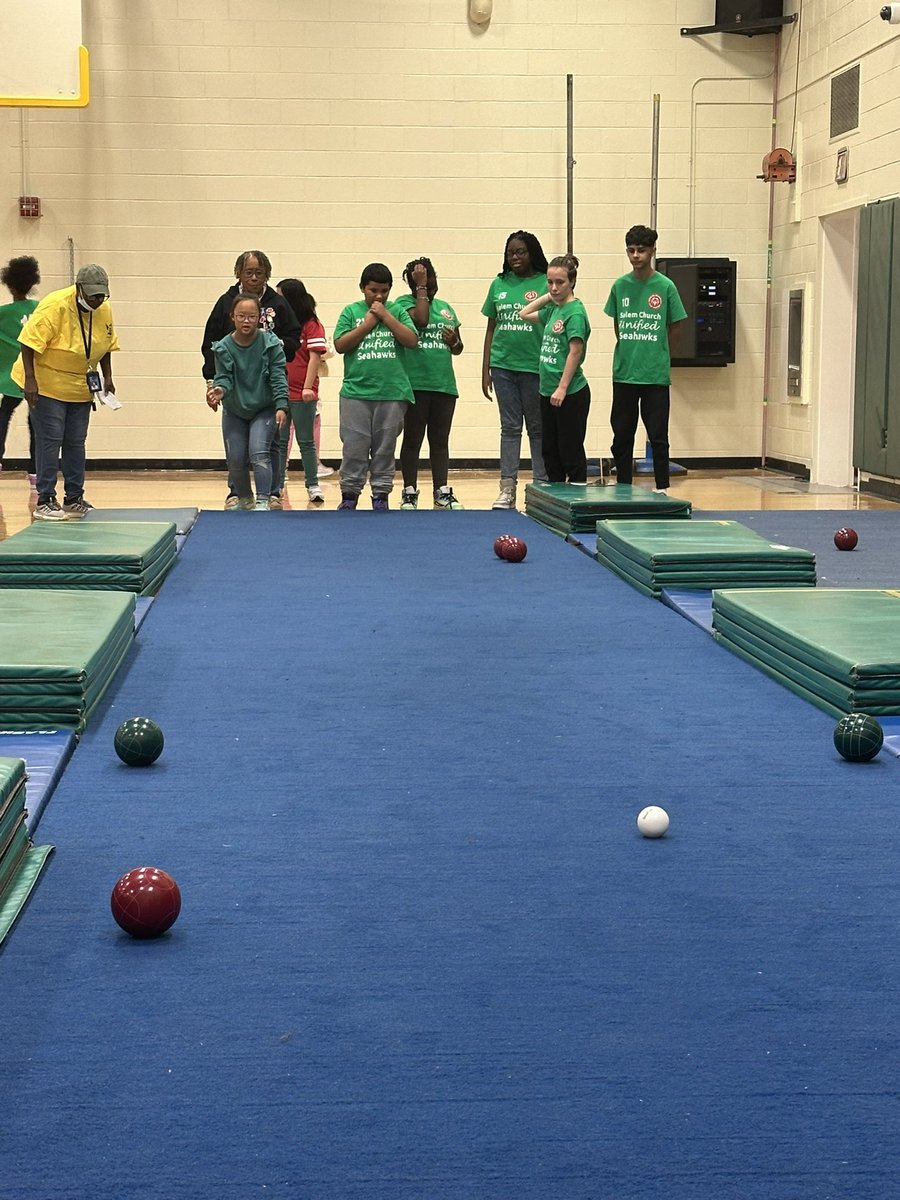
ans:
x=333 y=134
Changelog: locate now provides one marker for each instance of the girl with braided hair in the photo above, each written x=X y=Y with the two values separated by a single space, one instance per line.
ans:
x=430 y=370
x=21 y=276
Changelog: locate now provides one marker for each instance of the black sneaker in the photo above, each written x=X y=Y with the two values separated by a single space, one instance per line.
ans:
x=77 y=508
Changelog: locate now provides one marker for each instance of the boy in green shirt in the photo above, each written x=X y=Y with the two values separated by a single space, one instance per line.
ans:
x=644 y=306
x=376 y=390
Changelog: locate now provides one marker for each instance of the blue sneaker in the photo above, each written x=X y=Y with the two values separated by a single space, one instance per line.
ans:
x=348 y=502
x=380 y=504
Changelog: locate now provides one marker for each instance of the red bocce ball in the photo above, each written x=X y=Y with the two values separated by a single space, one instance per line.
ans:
x=846 y=539
x=514 y=550
x=145 y=902
x=500 y=542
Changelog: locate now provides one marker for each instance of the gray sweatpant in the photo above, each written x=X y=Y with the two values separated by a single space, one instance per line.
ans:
x=369 y=432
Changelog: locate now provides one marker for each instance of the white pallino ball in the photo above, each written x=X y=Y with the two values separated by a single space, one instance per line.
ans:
x=652 y=821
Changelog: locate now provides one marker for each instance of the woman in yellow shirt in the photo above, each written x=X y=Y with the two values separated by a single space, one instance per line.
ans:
x=65 y=365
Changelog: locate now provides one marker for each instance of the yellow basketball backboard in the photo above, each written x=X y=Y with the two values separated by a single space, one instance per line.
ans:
x=43 y=63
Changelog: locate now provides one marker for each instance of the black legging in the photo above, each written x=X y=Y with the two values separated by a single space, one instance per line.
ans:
x=562 y=437
x=8 y=405
x=432 y=413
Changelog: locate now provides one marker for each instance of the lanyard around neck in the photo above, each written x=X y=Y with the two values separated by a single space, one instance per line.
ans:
x=88 y=337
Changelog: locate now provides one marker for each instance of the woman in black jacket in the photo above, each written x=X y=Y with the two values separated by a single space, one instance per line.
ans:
x=252 y=270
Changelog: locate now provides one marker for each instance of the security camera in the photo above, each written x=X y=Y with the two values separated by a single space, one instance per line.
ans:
x=891 y=13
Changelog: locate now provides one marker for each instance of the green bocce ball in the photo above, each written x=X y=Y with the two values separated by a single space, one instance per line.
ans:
x=139 y=742
x=858 y=737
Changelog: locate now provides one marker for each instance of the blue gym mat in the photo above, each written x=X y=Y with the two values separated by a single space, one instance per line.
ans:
x=45 y=753
x=695 y=605
x=182 y=518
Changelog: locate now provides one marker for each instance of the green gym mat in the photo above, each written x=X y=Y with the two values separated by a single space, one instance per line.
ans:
x=572 y=508
x=882 y=697
x=699 y=555
x=841 y=646
x=20 y=887
x=114 y=555
x=59 y=651
x=20 y=861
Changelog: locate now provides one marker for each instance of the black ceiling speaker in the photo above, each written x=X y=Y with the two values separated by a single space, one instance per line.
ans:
x=735 y=12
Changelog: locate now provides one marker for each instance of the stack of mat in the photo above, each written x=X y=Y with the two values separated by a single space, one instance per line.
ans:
x=567 y=508
x=120 y=555
x=838 y=647
x=58 y=653
x=698 y=555
x=20 y=861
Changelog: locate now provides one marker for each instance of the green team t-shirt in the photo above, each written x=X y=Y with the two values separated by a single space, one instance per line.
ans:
x=374 y=370
x=561 y=324
x=644 y=310
x=430 y=365
x=12 y=318
x=517 y=344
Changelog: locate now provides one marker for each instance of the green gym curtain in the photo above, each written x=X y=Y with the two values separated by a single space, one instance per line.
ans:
x=876 y=425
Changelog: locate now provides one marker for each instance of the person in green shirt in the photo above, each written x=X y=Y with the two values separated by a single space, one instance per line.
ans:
x=430 y=371
x=510 y=361
x=565 y=394
x=371 y=334
x=21 y=276
x=251 y=385
x=644 y=306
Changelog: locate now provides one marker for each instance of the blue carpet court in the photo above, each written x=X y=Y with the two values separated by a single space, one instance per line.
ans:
x=423 y=950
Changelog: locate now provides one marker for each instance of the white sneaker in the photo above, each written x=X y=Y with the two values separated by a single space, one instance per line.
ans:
x=660 y=492
x=316 y=495
x=409 y=500
x=507 y=497
x=50 y=510
x=324 y=471
x=262 y=504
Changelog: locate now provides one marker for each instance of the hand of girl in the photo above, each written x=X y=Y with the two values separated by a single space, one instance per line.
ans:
x=420 y=275
x=309 y=396
x=557 y=398
x=214 y=396
x=487 y=384
x=280 y=418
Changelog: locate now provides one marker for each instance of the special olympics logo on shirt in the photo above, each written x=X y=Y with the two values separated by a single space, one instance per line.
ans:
x=447 y=314
x=558 y=326
x=529 y=296
x=655 y=300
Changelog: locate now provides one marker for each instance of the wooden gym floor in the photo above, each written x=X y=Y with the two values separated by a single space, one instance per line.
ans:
x=733 y=491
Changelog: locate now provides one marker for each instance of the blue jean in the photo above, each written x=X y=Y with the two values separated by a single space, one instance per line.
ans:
x=519 y=402
x=248 y=443
x=303 y=415
x=60 y=426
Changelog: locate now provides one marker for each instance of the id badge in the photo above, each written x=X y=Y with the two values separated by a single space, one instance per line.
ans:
x=94 y=382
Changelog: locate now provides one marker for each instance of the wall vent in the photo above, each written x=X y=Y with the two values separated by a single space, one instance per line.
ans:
x=845 y=101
